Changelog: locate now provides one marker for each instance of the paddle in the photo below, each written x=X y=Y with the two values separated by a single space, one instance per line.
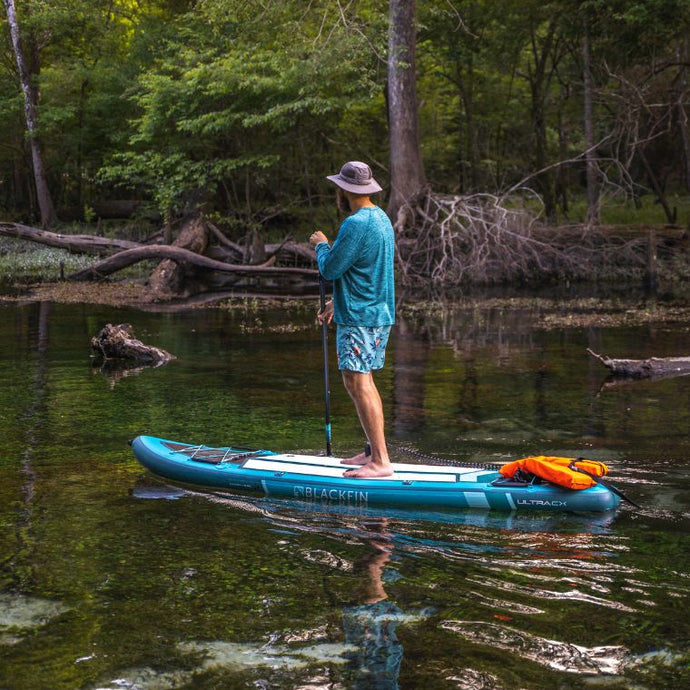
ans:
x=327 y=387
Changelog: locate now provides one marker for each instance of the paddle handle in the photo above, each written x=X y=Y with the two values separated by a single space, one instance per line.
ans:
x=326 y=379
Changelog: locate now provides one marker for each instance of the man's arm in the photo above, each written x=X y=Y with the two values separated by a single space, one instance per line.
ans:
x=336 y=259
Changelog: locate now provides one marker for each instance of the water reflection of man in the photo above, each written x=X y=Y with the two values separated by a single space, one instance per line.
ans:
x=370 y=626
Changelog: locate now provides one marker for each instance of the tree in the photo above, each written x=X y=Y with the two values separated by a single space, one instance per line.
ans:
x=407 y=170
x=542 y=55
x=45 y=201
x=592 y=168
x=241 y=102
x=243 y=106
x=634 y=48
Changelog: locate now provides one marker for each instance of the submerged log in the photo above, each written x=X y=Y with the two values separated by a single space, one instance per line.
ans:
x=118 y=342
x=654 y=367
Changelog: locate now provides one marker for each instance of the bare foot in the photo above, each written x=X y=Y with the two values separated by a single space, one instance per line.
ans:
x=369 y=471
x=359 y=459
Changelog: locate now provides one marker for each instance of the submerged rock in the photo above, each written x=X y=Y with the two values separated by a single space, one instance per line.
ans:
x=20 y=613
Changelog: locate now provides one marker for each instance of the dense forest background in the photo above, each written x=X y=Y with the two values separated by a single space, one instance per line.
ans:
x=241 y=107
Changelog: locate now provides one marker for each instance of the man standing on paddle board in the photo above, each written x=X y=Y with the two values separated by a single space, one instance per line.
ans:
x=360 y=264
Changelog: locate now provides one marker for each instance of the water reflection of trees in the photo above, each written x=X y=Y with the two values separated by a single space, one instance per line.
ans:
x=488 y=372
x=426 y=386
x=470 y=326
x=21 y=565
x=485 y=369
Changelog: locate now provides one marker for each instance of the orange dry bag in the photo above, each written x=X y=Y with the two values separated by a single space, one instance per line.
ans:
x=572 y=473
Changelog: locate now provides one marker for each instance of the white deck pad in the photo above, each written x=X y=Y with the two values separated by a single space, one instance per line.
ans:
x=469 y=474
x=296 y=466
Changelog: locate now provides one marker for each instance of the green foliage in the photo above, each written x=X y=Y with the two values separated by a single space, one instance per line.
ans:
x=243 y=106
x=219 y=112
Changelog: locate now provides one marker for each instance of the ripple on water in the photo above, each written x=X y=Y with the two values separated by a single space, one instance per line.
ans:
x=557 y=655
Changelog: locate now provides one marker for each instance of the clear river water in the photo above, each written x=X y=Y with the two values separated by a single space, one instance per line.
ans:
x=110 y=578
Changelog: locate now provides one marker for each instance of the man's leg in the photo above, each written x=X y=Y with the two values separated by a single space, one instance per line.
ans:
x=365 y=396
x=359 y=459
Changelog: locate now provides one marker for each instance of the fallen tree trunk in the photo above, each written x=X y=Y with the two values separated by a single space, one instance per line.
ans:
x=292 y=250
x=191 y=265
x=118 y=342
x=92 y=244
x=654 y=367
x=116 y=262
x=83 y=244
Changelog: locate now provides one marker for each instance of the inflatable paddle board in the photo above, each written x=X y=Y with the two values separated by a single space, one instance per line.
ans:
x=320 y=479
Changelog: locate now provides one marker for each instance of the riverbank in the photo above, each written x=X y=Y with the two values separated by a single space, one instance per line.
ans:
x=622 y=308
x=136 y=295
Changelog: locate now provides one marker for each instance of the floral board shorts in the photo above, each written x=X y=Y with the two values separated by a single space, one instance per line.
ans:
x=361 y=348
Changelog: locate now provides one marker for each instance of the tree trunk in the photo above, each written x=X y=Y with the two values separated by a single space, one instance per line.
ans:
x=470 y=171
x=406 y=168
x=562 y=177
x=545 y=178
x=45 y=201
x=223 y=257
x=128 y=257
x=539 y=80
x=173 y=277
x=682 y=59
x=79 y=244
x=654 y=367
x=590 y=142
x=656 y=186
x=118 y=342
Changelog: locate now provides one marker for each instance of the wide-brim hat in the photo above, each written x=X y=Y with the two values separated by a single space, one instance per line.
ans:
x=356 y=177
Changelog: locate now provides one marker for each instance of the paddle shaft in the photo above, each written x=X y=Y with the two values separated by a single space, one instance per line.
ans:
x=326 y=381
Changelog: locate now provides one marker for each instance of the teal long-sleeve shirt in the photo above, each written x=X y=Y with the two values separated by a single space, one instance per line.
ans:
x=360 y=264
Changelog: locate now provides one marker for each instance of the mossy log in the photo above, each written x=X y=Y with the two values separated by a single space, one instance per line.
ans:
x=654 y=367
